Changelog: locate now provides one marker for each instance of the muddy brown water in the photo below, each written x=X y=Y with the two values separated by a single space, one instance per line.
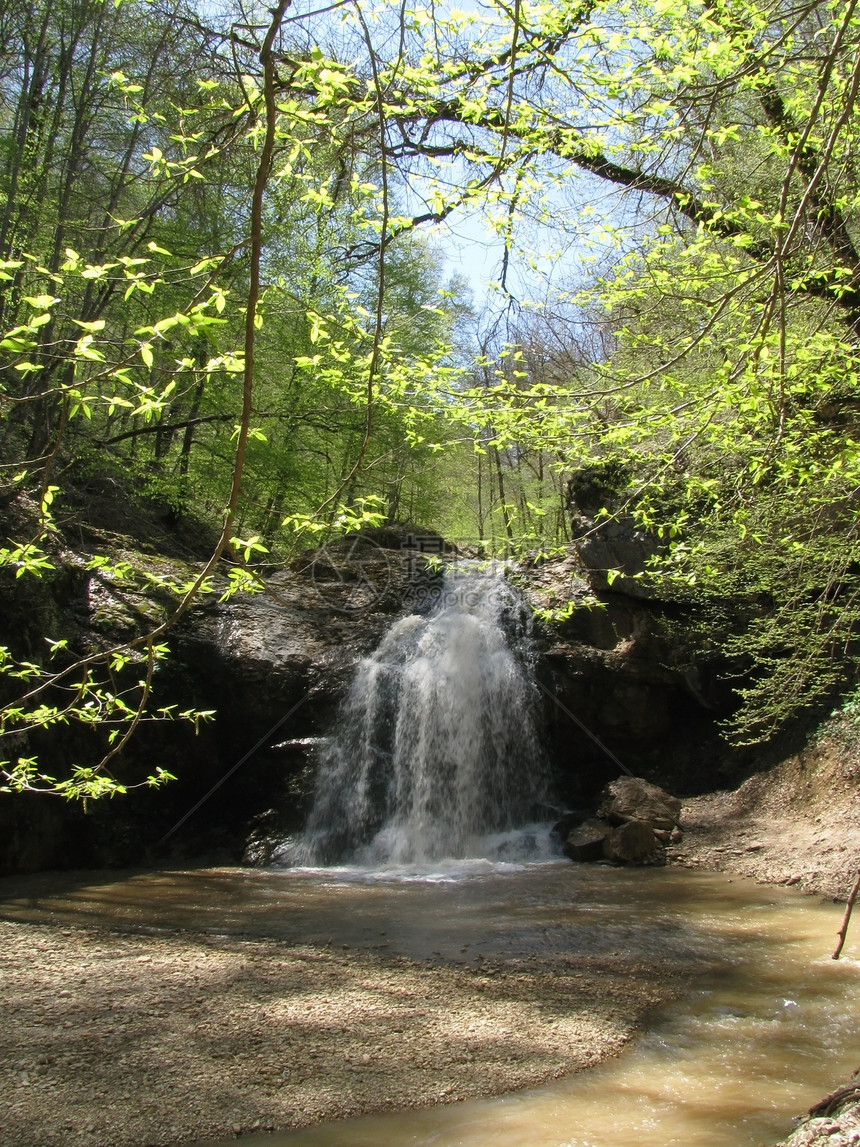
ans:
x=769 y=1024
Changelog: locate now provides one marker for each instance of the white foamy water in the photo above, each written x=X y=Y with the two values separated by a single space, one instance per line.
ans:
x=497 y=853
x=436 y=753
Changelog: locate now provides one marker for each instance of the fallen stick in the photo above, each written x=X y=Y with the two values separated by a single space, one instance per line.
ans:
x=827 y=1106
x=846 y=917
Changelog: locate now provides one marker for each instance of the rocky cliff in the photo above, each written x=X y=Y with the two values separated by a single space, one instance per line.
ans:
x=625 y=677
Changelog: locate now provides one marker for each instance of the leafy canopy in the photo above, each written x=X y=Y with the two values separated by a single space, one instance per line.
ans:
x=215 y=279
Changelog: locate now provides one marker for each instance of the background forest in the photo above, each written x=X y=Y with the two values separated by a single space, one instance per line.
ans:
x=228 y=247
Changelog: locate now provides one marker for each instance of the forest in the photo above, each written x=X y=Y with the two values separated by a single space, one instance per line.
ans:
x=290 y=272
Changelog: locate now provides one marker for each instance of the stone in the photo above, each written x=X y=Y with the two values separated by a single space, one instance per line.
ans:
x=586 y=841
x=632 y=798
x=567 y=823
x=633 y=843
x=835 y=1122
x=616 y=544
x=605 y=537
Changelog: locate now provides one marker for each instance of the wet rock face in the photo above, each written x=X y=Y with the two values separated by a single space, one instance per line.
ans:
x=641 y=672
x=640 y=681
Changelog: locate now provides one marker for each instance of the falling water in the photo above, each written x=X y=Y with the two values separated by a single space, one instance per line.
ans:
x=436 y=752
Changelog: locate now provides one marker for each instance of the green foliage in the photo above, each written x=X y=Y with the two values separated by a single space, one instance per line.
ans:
x=78 y=693
x=125 y=345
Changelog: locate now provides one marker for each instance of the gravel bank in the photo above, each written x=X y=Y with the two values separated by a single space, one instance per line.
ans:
x=126 y=1040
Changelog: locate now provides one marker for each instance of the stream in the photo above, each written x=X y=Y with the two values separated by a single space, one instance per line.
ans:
x=766 y=1027
x=436 y=754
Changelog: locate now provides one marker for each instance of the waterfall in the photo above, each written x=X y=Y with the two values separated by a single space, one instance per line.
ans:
x=436 y=746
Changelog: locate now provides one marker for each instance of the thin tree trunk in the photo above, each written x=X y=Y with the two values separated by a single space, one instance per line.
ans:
x=500 y=480
x=480 y=498
x=187 y=443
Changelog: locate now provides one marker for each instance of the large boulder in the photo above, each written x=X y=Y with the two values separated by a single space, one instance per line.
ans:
x=634 y=842
x=633 y=798
x=585 y=842
x=634 y=822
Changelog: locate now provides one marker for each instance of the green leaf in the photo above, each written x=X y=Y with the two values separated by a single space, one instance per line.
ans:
x=41 y=302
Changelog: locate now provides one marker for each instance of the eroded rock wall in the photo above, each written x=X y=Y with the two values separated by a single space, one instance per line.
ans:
x=626 y=678
x=272 y=666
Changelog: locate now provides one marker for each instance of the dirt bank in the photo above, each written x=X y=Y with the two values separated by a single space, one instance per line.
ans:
x=797 y=824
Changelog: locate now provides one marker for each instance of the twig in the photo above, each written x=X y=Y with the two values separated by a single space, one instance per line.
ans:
x=843 y=1095
x=846 y=917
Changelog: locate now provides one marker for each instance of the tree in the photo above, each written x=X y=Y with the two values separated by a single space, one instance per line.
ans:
x=729 y=397
x=147 y=341
x=212 y=271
